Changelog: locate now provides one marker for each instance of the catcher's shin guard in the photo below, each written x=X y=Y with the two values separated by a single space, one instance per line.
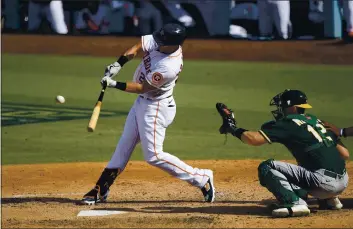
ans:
x=100 y=192
x=276 y=183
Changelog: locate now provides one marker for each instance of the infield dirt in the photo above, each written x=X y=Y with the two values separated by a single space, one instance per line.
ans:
x=46 y=195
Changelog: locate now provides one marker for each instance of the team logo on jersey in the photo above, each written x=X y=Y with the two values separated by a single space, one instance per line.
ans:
x=157 y=77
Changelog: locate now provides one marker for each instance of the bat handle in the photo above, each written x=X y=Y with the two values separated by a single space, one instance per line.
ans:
x=102 y=93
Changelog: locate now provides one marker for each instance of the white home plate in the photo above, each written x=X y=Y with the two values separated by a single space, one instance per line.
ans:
x=99 y=213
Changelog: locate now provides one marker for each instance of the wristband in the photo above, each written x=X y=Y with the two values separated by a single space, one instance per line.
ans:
x=122 y=60
x=120 y=86
x=238 y=132
x=343 y=132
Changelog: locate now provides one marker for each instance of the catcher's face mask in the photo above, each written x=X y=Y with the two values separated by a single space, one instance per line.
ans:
x=276 y=101
x=289 y=98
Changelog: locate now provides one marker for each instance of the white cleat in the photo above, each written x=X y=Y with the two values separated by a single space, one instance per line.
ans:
x=294 y=211
x=332 y=204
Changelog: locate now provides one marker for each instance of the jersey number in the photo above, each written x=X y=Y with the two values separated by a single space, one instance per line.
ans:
x=313 y=131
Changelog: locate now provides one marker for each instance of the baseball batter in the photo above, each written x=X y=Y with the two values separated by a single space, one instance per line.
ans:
x=152 y=112
x=320 y=155
x=274 y=12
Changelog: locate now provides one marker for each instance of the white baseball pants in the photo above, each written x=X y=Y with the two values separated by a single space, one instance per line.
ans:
x=147 y=123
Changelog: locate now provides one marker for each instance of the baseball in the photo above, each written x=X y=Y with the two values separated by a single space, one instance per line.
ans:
x=60 y=99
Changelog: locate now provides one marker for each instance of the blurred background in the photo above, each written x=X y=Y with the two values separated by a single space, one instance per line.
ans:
x=222 y=64
x=235 y=19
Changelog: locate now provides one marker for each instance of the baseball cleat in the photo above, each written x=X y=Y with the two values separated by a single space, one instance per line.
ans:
x=294 y=211
x=332 y=204
x=209 y=191
x=94 y=196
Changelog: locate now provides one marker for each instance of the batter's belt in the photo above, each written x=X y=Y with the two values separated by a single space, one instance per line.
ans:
x=154 y=99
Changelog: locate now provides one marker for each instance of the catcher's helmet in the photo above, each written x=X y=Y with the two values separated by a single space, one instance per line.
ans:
x=170 y=34
x=289 y=98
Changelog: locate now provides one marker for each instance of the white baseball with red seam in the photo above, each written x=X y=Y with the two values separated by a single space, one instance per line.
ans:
x=60 y=99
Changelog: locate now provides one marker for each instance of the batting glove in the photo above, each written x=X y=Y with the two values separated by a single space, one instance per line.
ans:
x=112 y=69
x=106 y=80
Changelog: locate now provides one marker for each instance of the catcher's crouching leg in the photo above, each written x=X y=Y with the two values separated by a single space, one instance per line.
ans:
x=278 y=185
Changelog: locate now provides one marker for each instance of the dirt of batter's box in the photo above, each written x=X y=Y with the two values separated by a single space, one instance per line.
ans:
x=310 y=52
x=46 y=195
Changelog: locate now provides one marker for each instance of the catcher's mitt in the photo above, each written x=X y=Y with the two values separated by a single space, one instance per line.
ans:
x=229 y=123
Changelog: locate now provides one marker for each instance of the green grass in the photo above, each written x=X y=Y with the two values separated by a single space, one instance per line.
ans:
x=245 y=87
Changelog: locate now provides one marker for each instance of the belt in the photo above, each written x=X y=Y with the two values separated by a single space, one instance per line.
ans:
x=334 y=175
x=154 y=99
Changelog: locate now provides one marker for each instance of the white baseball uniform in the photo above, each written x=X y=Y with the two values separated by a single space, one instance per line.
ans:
x=152 y=113
x=54 y=13
x=277 y=13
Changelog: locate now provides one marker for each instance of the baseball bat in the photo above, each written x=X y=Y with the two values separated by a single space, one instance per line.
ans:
x=96 y=110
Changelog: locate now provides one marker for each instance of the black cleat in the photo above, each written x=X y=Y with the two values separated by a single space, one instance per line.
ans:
x=94 y=196
x=209 y=191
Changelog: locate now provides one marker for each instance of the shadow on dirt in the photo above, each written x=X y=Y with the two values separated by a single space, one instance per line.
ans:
x=228 y=210
x=223 y=210
x=179 y=201
x=20 y=200
x=261 y=207
x=239 y=208
x=347 y=203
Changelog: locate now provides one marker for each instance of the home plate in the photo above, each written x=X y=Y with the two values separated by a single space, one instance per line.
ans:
x=99 y=213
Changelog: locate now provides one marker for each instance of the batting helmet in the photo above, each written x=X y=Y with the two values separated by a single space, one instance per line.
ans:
x=170 y=34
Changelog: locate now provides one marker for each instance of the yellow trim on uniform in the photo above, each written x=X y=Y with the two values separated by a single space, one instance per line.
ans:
x=305 y=105
x=265 y=136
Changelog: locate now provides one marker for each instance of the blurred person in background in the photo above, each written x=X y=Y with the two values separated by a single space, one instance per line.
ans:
x=178 y=13
x=212 y=17
x=316 y=16
x=2 y=15
x=244 y=15
x=93 y=18
x=348 y=15
x=148 y=18
x=10 y=15
x=51 y=10
x=273 y=12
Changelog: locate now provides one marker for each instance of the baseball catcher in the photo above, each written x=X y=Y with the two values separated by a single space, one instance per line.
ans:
x=319 y=153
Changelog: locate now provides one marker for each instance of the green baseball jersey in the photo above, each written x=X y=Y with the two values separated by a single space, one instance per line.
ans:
x=307 y=139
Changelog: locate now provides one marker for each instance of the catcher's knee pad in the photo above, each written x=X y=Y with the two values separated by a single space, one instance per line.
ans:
x=263 y=170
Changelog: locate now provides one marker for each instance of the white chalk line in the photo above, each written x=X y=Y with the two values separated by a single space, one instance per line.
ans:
x=46 y=194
